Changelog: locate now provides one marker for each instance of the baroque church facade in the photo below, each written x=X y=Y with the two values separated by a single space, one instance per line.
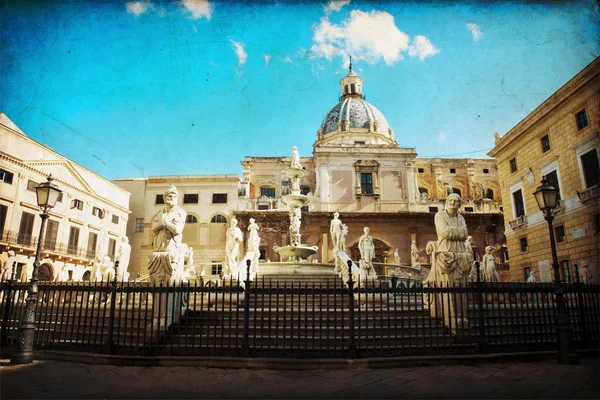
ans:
x=357 y=169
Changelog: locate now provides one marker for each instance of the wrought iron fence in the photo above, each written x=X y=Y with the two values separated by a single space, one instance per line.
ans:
x=324 y=318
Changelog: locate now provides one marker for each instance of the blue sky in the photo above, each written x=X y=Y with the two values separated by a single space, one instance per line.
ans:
x=132 y=89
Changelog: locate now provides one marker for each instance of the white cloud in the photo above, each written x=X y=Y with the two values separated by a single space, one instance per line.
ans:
x=440 y=137
x=138 y=8
x=287 y=59
x=335 y=5
x=267 y=58
x=421 y=47
x=369 y=36
x=240 y=52
x=198 y=8
x=474 y=28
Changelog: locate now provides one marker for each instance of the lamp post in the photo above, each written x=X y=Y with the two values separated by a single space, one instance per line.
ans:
x=47 y=195
x=546 y=197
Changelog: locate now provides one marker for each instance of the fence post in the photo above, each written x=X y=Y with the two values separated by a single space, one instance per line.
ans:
x=483 y=343
x=582 y=312
x=352 y=351
x=109 y=346
x=246 y=342
x=6 y=312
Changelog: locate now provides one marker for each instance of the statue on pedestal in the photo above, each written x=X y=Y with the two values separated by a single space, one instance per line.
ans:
x=531 y=277
x=414 y=255
x=167 y=227
x=7 y=266
x=451 y=262
x=335 y=229
x=367 y=252
x=396 y=257
x=253 y=238
x=123 y=255
x=232 y=248
x=584 y=272
x=489 y=265
x=295 y=159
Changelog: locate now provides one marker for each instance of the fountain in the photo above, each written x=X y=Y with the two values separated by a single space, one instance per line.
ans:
x=296 y=251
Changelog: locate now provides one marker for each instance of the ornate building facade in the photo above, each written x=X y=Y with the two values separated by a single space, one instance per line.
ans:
x=357 y=169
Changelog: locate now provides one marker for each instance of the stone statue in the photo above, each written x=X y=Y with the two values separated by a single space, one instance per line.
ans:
x=7 y=266
x=529 y=176
x=63 y=274
x=295 y=161
x=342 y=240
x=189 y=269
x=106 y=270
x=414 y=255
x=531 y=277
x=489 y=265
x=232 y=247
x=295 y=217
x=335 y=229
x=253 y=238
x=396 y=257
x=367 y=252
x=424 y=197
x=339 y=124
x=123 y=255
x=497 y=137
x=167 y=226
x=376 y=126
x=585 y=276
x=469 y=244
x=451 y=262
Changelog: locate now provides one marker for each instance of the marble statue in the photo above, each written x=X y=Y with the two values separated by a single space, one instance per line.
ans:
x=335 y=229
x=8 y=266
x=339 y=124
x=367 y=253
x=414 y=255
x=451 y=262
x=497 y=137
x=232 y=247
x=469 y=244
x=123 y=255
x=529 y=176
x=189 y=269
x=63 y=274
x=489 y=265
x=376 y=126
x=585 y=276
x=396 y=257
x=253 y=238
x=295 y=159
x=531 y=277
x=167 y=226
x=424 y=197
x=342 y=240
x=106 y=270
x=295 y=217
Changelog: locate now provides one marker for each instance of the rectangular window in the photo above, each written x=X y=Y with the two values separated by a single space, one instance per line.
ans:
x=552 y=178
x=452 y=170
x=353 y=88
x=506 y=255
x=366 y=183
x=73 y=240
x=31 y=185
x=468 y=209
x=267 y=192
x=486 y=171
x=359 y=142
x=263 y=207
x=421 y=170
x=97 y=212
x=263 y=254
x=159 y=199
x=582 y=119
x=190 y=198
x=591 y=170
x=26 y=229
x=51 y=235
x=433 y=209
x=115 y=219
x=6 y=176
x=518 y=203
x=78 y=204
x=216 y=268
x=220 y=198
x=489 y=194
x=524 y=246
x=112 y=248
x=526 y=272
x=513 y=165
x=545 y=141
x=60 y=197
x=139 y=224
x=92 y=243
x=559 y=232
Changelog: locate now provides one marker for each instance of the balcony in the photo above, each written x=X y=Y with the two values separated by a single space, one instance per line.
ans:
x=28 y=243
x=520 y=222
x=589 y=193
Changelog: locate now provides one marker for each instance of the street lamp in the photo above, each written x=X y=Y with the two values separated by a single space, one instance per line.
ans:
x=47 y=196
x=547 y=198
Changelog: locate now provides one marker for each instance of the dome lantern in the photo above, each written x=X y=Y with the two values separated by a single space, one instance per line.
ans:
x=351 y=84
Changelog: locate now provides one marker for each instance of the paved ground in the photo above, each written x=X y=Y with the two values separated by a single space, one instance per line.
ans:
x=539 y=379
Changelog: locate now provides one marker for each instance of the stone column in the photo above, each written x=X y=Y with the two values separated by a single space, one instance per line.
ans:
x=325 y=247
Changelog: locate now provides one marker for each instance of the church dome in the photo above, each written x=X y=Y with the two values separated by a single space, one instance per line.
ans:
x=359 y=114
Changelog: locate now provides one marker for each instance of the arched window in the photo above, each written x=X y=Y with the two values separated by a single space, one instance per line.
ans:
x=457 y=191
x=489 y=194
x=219 y=219
x=190 y=219
x=423 y=190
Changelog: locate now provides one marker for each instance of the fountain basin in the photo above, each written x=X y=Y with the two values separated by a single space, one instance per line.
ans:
x=294 y=172
x=299 y=252
x=295 y=200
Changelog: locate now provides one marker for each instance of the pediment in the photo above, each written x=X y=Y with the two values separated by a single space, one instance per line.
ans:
x=62 y=171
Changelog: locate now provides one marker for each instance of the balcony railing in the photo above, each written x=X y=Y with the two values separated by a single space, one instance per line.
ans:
x=30 y=242
x=589 y=193
x=520 y=222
